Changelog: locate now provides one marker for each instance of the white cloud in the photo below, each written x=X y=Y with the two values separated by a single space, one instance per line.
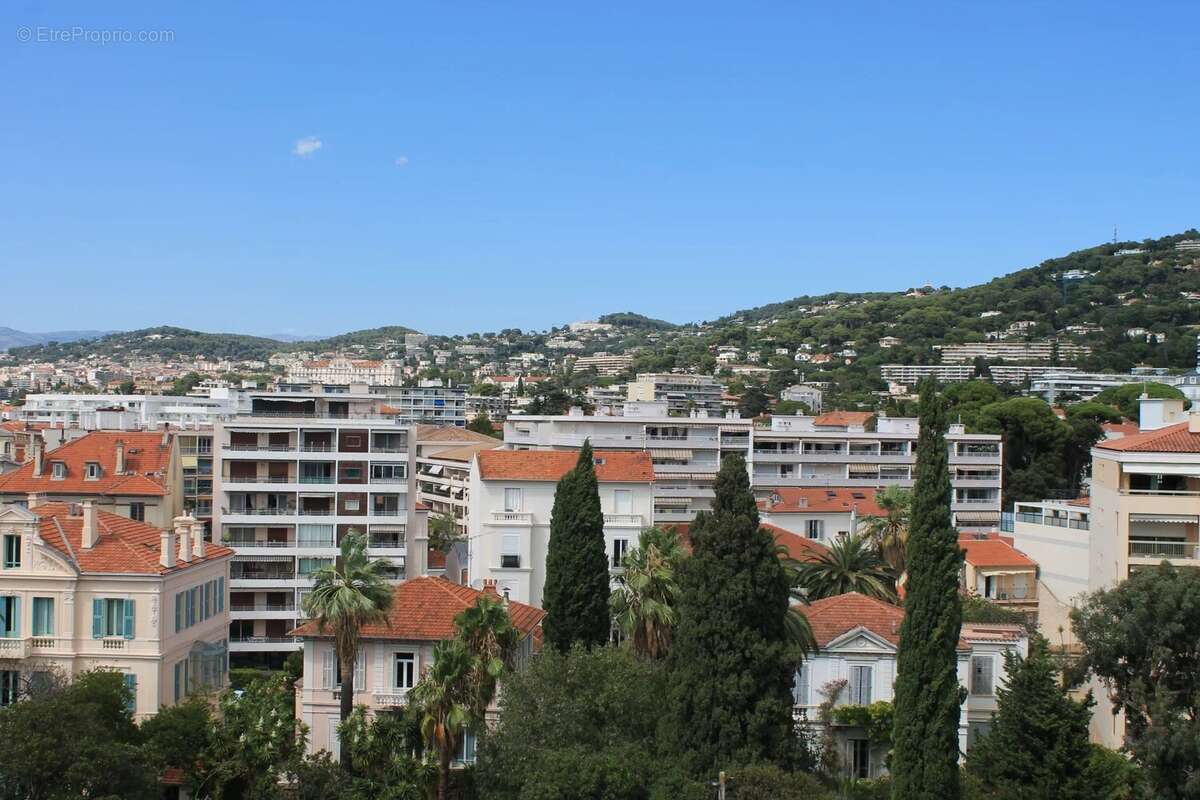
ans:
x=402 y=161
x=307 y=146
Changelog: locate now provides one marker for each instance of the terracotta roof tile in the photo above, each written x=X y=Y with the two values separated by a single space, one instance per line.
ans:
x=993 y=551
x=125 y=546
x=798 y=547
x=842 y=419
x=448 y=433
x=1171 y=439
x=550 y=465
x=146 y=462
x=832 y=617
x=793 y=500
x=423 y=610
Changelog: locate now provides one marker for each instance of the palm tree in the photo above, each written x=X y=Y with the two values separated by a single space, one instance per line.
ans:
x=445 y=696
x=890 y=531
x=487 y=632
x=643 y=603
x=443 y=532
x=345 y=597
x=798 y=628
x=851 y=564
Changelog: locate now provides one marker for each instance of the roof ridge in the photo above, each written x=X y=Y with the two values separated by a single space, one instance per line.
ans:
x=66 y=540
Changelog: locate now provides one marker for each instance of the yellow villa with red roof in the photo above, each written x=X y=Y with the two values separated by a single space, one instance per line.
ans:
x=84 y=589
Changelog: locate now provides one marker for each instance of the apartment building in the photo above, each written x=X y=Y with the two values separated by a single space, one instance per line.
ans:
x=428 y=403
x=82 y=589
x=512 y=496
x=1044 y=350
x=291 y=479
x=822 y=514
x=393 y=656
x=855 y=664
x=604 y=364
x=911 y=374
x=863 y=450
x=803 y=393
x=342 y=370
x=1056 y=534
x=997 y=571
x=130 y=412
x=495 y=406
x=682 y=393
x=134 y=474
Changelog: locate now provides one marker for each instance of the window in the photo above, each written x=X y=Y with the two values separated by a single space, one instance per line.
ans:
x=10 y=686
x=981 y=675
x=975 y=730
x=352 y=504
x=405 y=675
x=310 y=565
x=510 y=551
x=860 y=758
x=137 y=512
x=10 y=617
x=112 y=617
x=388 y=473
x=800 y=686
x=815 y=528
x=58 y=470
x=12 y=551
x=315 y=536
x=181 y=680
x=43 y=616
x=512 y=499
x=860 y=685
x=620 y=547
x=131 y=699
x=623 y=501
x=92 y=471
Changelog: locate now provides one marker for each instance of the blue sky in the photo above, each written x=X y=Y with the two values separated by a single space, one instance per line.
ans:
x=515 y=164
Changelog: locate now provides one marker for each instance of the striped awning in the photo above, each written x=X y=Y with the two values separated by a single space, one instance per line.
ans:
x=735 y=428
x=260 y=559
x=978 y=517
x=672 y=502
x=864 y=468
x=691 y=476
x=669 y=453
x=1167 y=518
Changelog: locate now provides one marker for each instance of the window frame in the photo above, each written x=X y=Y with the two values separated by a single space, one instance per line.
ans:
x=13 y=542
x=412 y=674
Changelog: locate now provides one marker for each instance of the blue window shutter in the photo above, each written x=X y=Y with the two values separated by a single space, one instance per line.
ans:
x=128 y=626
x=221 y=594
x=131 y=685
x=97 y=618
x=178 y=611
x=177 y=694
x=203 y=602
x=16 y=622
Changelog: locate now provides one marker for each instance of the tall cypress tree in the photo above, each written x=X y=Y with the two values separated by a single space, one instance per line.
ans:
x=928 y=695
x=731 y=661
x=576 y=590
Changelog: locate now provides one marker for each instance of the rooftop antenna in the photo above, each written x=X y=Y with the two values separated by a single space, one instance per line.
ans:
x=1114 y=234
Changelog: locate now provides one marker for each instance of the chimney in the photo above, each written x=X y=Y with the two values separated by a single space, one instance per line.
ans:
x=489 y=587
x=185 y=542
x=33 y=500
x=38 y=455
x=166 y=549
x=120 y=457
x=166 y=435
x=198 y=542
x=1194 y=422
x=91 y=533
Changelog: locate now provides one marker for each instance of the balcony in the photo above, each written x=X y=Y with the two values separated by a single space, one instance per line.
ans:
x=1168 y=549
x=14 y=648
x=623 y=520
x=512 y=518
x=394 y=699
x=262 y=644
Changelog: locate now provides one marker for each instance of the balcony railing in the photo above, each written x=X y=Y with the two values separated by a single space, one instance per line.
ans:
x=623 y=520
x=273 y=479
x=260 y=448
x=262 y=606
x=387 y=542
x=242 y=639
x=1162 y=492
x=522 y=517
x=1057 y=522
x=262 y=512
x=273 y=575
x=1170 y=550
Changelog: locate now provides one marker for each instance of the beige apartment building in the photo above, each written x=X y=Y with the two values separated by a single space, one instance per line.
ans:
x=84 y=589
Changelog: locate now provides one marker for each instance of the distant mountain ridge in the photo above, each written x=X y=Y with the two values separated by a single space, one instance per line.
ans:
x=11 y=337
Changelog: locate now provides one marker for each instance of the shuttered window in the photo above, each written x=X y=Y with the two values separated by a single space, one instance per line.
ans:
x=981 y=675
x=860 y=685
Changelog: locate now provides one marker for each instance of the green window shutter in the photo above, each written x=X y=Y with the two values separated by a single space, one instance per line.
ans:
x=178 y=611
x=204 y=602
x=97 y=618
x=131 y=685
x=220 y=595
x=127 y=628
x=16 y=622
x=178 y=696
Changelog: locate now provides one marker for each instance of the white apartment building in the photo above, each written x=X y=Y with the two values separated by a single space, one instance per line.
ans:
x=855 y=664
x=682 y=393
x=910 y=374
x=347 y=370
x=84 y=589
x=512 y=496
x=291 y=479
x=429 y=403
x=123 y=412
x=1056 y=534
x=838 y=449
x=604 y=364
x=1044 y=350
x=803 y=393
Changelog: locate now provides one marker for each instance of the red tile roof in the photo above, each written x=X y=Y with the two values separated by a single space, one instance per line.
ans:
x=793 y=500
x=832 y=617
x=448 y=433
x=550 y=465
x=798 y=547
x=146 y=462
x=423 y=610
x=1117 y=430
x=993 y=551
x=125 y=546
x=842 y=419
x=1171 y=439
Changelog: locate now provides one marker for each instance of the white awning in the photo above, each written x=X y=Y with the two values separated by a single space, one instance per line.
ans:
x=1189 y=470
x=682 y=454
x=434 y=470
x=1167 y=518
x=980 y=517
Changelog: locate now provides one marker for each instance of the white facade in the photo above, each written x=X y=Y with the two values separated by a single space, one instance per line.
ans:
x=132 y=411
x=683 y=393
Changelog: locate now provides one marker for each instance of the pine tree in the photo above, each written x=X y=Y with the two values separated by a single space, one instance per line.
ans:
x=928 y=694
x=1037 y=748
x=731 y=660
x=575 y=596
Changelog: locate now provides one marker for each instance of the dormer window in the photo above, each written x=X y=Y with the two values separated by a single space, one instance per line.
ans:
x=92 y=471
x=58 y=470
